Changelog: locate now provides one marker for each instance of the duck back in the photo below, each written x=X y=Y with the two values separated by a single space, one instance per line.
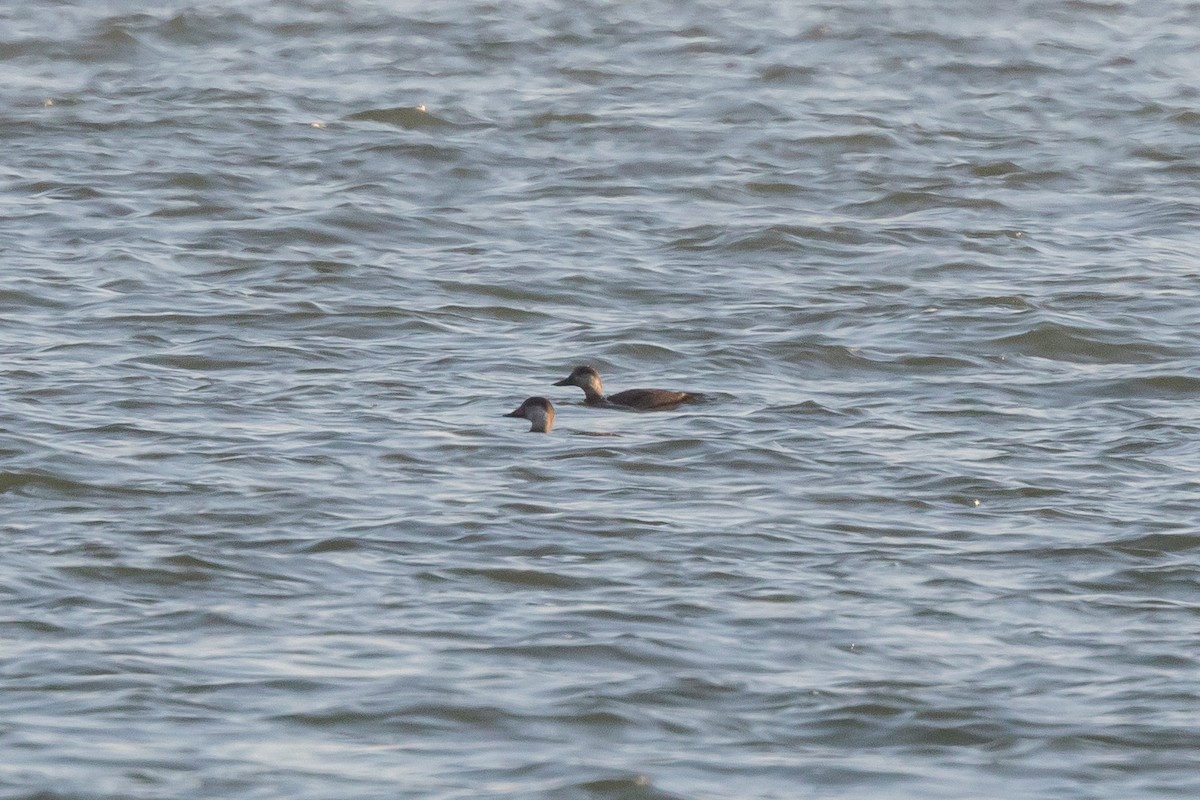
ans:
x=649 y=399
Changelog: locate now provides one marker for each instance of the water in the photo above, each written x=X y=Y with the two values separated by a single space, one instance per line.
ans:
x=272 y=271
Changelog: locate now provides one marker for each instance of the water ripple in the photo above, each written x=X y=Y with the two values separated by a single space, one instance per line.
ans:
x=275 y=271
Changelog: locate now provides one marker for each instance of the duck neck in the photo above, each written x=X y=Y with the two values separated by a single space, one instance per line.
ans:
x=593 y=391
x=540 y=421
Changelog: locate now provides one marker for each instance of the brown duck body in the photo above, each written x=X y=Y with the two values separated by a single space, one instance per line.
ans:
x=588 y=379
x=645 y=399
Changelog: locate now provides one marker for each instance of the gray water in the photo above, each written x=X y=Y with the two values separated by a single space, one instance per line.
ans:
x=272 y=272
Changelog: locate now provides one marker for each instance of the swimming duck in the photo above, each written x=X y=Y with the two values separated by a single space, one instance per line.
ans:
x=588 y=379
x=537 y=410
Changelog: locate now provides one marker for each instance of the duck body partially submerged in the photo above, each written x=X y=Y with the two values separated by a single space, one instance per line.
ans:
x=588 y=379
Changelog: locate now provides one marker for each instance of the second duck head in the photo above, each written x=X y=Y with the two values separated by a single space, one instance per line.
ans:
x=587 y=379
x=539 y=411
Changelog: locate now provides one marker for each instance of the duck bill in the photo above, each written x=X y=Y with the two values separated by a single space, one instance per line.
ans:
x=516 y=413
x=564 y=382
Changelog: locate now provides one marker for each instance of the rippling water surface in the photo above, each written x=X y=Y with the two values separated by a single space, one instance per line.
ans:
x=273 y=271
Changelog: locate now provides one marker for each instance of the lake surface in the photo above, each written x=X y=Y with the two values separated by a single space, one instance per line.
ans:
x=273 y=271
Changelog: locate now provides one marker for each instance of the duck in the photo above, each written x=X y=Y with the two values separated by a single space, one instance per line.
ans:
x=539 y=411
x=588 y=379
